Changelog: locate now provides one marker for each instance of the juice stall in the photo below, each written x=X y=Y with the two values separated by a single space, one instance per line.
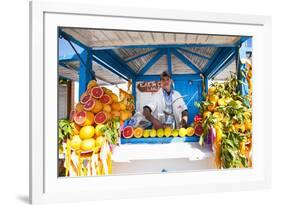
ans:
x=110 y=75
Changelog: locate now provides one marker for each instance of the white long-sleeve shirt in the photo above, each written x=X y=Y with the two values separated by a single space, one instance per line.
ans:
x=157 y=105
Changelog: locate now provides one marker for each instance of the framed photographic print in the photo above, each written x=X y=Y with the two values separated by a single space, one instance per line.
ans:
x=127 y=103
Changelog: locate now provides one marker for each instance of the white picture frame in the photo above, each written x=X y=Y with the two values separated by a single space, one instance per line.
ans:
x=46 y=187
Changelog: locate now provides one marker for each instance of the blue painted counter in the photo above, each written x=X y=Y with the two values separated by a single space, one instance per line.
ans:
x=157 y=140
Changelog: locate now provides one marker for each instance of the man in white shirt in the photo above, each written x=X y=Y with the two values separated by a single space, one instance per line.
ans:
x=166 y=107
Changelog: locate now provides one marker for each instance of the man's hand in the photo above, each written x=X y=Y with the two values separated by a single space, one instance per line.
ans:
x=184 y=119
x=155 y=123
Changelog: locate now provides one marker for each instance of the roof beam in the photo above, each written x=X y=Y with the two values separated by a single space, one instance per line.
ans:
x=186 y=61
x=224 y=58
x=195 y=54
x=163 y=46
x=140 y=55
x=151 y=62
x=169 y=60
x=65 y=59
x=174 y=77
x=121 y=61
x=67 y=36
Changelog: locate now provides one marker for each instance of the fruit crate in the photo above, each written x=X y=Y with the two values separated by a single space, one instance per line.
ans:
x=156 y=140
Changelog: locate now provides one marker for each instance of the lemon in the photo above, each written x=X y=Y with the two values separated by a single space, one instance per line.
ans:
x=146 y=133
x=211 y=90
x=182 y=132
x=167 y=132
x=153 y=133
x=87 y=144
x=87 y=132
x=160 y=133
x=75 y=142
x=175 y=133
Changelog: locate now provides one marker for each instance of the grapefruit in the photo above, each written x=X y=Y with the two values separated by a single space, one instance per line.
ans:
x=87 y=144
x=100 y=118
x=198 y=130
x=128 y=132
x=190 y=131
x=153 y=133
x=97 y=107
x=84 y=98
x=138 y=132
x=80 y=117
x=89 y=105
x=75 y=142
x=72 y=115
x=96 y=92
x=106 y=99
x=87 y=132
x=167 y=132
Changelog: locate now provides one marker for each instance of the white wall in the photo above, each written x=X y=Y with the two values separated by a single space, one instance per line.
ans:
x=14 y=84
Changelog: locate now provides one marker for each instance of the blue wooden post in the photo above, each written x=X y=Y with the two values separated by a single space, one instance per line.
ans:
x=134 y=92
x=85 y=71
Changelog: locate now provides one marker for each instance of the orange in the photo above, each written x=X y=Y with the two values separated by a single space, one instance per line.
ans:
x=213 y=98
x=122 y=106
x=190 y=131
x=90 y=119
x=115 y=113
x=115 y=106
x=138 y=132
x=91 y=84
x=98 y=107
x=114 y=97
x=211 y=90
x=206 y=114
x=107 y=108
x=79 y=107
x=125 y=115
x=211 y=107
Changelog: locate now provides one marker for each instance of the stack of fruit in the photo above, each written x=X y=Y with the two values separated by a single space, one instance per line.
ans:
x=95 y=123
x=227 y=124
x=129 y=132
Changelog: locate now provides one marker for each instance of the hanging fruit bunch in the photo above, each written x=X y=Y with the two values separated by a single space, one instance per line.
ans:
x=95 y=124
x=227 y=124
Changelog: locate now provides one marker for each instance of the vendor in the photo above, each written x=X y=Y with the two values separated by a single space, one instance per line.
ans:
x=166 y=107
